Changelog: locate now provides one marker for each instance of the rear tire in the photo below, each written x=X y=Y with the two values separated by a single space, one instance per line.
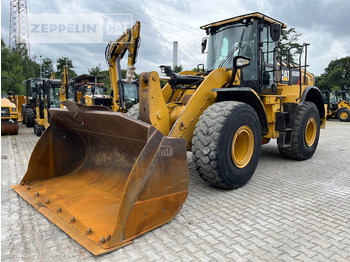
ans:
x=226 y=144
x=134 y=111
x=306 y=132
x=344 y=115
x=30 y=117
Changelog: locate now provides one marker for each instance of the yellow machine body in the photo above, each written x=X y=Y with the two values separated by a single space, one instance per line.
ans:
x=178 y=118
x=19 y=101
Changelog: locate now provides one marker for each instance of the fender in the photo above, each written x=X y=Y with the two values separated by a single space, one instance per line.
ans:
x=313 y=94
x=248 y=96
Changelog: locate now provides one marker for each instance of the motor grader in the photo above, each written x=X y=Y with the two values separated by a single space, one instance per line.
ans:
x=105 y=178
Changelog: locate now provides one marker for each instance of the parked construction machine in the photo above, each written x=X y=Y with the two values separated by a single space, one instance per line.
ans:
x=9 y=114
x=48 y=97
x=28 y=107
x=124 y=92
x=105 y=178
x=338 y=104
x=92 y=91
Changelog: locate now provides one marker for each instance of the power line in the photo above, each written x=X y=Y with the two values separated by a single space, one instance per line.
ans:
x=154 y=17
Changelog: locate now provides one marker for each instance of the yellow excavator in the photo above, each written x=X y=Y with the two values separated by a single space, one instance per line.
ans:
x=124 y=92
x=105 y=178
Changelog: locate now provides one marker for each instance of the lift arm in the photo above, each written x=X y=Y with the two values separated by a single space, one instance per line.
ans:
x=115 y=51
x=64 y=88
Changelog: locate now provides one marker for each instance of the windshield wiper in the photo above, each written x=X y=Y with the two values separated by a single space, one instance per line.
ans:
x=230 y=54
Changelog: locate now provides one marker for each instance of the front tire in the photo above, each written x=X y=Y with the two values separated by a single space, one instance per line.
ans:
x=226 y=144
x=38 y=130
x=344 y=115
x=30 y=117
x=305 y=134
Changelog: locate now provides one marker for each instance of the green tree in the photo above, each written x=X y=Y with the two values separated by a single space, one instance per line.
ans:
x=47 y=67
x=62 y=61
x=336 y=75
x=16 y=64
x=289 y=41
x=95 y=70
x=177 y=69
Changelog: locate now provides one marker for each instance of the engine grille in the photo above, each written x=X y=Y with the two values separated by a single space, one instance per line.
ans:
x=5 y=112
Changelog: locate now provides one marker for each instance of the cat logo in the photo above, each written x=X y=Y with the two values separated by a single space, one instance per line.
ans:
x=285 y=75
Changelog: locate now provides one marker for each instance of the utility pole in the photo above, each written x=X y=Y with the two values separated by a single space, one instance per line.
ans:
x=41 y=68
x=175 y=53
x=19 y=28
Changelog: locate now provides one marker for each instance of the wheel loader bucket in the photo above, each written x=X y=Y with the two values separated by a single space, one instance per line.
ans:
x=105 y=178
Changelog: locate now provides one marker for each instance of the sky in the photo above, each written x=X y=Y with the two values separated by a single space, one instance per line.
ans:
x=323 y=23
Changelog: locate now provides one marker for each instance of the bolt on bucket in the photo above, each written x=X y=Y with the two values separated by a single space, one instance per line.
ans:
x=105 y=178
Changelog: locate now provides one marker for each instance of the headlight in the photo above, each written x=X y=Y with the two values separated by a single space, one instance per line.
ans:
x=13 y=109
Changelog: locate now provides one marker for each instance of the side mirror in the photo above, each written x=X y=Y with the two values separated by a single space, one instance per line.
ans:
x=275 y=32
x=105 y=89
x=241 y=61
x=204 y=45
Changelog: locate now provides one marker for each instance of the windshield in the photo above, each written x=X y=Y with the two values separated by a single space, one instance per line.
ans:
x=98 y=90
x=333 y=98
x=230 y=41
x=54 y=97
x=33 y=89
x=347 y=96
x=131 y=94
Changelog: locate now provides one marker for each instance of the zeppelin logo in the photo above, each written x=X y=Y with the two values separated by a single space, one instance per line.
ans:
x=165 y=151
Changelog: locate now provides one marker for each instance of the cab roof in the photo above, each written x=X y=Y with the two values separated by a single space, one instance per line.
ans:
x=238 y=18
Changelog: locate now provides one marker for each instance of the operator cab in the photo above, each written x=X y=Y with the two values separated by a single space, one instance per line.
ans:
x=253 y=37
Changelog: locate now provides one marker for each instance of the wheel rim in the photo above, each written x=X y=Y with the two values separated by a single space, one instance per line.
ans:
x=310 y=132
x=242 y=146
x=343 y=115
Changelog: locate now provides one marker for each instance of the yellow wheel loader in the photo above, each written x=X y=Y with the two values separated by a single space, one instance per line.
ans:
x=105 y=178
x=338 y=104
x=343 y=98
x=48 y=97
x=29 y=107
x=49 y=93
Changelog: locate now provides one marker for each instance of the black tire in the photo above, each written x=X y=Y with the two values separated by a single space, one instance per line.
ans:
x=305 y=134
x=30 y=117
x=212 y=144
x=344 y=115
x=23 y=116
x=134 y=111
x=38 y=130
